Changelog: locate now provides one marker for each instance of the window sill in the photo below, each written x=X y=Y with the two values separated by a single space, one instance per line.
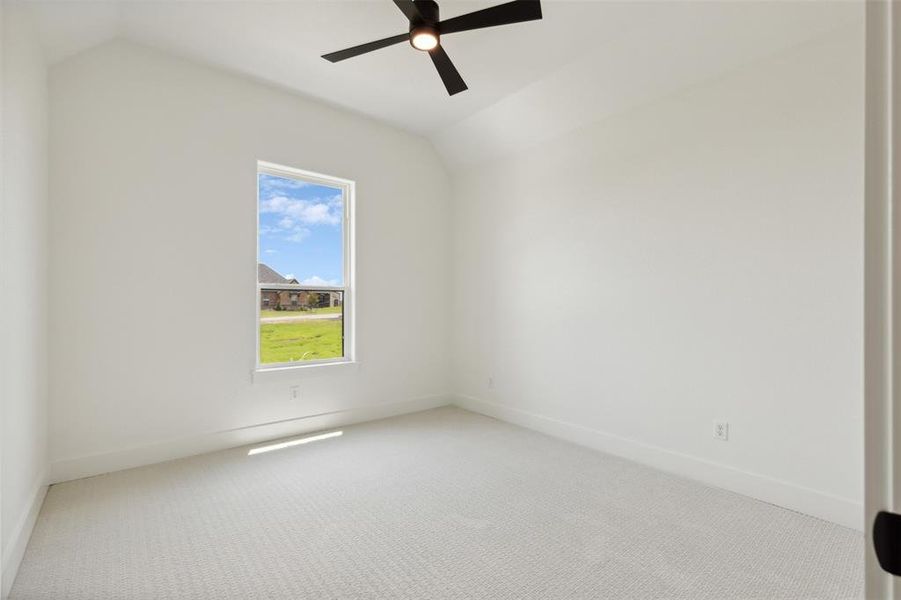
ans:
x=294 y=372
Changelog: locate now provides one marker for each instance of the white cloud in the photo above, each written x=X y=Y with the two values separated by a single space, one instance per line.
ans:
x=289 y=276
x=271 y=183
x=299 y=234
x=318 y=211
x=317 y=280
x=276 y=204
x=270 y=251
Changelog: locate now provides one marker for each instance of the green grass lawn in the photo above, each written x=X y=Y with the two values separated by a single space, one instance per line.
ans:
x=303 y=340
x=332 y=310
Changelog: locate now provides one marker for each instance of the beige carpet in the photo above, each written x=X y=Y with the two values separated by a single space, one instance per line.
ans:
x=437 y=505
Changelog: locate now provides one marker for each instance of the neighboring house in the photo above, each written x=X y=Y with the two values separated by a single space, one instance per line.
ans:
x=289 y=299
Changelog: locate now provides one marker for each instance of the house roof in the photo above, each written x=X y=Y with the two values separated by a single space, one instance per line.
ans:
x=266 y=274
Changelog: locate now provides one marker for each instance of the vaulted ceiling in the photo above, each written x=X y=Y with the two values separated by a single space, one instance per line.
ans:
x=585 y=60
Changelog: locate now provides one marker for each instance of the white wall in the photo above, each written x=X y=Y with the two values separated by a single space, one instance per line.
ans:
x=694 y=259
x=23 y=287
x=153 y=200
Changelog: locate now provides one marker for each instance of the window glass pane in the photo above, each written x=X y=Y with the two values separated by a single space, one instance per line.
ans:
x=301 y=242
x=297 y=325
x=301 y=235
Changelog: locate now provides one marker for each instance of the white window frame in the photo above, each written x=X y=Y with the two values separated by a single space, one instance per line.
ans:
x=347 y=188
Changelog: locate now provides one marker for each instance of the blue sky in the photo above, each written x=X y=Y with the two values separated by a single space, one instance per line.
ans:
x=300 y=230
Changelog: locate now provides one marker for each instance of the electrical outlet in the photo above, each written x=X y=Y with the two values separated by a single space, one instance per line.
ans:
x=721 y=430
x=294 y=392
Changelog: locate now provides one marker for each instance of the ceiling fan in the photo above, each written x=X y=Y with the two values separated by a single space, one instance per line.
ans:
x=426 y=30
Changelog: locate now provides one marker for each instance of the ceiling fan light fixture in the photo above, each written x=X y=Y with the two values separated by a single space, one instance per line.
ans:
x=426 y=28
x=424 y=38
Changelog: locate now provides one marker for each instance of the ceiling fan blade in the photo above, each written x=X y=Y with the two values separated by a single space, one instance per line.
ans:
x=502 y=14
x=449 y=74
x=408 y=8
x=364 y=48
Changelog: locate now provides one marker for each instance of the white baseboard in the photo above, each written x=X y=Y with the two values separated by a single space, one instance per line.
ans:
x=781 y=493
x=15 y=550
x=97 y=464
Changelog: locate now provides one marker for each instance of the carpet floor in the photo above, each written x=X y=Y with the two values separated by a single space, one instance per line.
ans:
x=443 y=504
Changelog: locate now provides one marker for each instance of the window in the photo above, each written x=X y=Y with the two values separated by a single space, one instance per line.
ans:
x=304 y=294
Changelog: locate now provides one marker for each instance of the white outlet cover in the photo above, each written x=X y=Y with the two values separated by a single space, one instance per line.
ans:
x=721 y=430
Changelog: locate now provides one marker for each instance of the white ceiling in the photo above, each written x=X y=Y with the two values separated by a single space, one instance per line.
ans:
x=583 y=61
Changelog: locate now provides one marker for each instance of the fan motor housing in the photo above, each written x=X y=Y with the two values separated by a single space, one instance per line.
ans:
x=428 y=9
x=427 y=23
x=426 y=30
